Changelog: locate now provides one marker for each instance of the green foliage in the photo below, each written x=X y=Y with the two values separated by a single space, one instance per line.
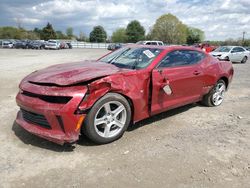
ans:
x=16 y=33
x=194 y=35
x=69 y=32
x=48 y=32
x=98 y=34
x=169 y=29
x=246 y=42
x=135 y=32
x=231 y=42
x=119 y=35
x=38 y=32
x=61 y=35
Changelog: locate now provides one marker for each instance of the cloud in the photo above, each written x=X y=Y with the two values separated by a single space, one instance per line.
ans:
x=220 y=19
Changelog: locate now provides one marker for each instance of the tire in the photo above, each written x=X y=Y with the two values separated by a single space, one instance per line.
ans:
x=216 y=96
x=227 y=58
x=108 y=119
x=244 y=60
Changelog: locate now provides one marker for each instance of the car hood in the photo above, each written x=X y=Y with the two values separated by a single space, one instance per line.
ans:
x=73 y=73
x=218 y=53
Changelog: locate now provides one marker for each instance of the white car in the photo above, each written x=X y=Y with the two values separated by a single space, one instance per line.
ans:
x=231 y=53
x=7 y=44
x=151 y=42
x=52 y=44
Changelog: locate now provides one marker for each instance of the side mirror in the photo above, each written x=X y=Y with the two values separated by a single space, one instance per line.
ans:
x=233 y=51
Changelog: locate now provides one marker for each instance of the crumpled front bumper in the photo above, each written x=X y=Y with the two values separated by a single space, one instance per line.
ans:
x=63 y=123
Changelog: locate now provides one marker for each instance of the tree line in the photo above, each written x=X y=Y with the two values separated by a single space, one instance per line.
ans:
x=167 y=28
x=45 y=33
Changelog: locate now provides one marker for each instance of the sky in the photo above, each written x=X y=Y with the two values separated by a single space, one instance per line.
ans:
x=219 y=19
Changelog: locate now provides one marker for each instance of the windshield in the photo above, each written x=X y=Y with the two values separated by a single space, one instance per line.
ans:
x=223 y=49
x=140 y=42
x=132 y=58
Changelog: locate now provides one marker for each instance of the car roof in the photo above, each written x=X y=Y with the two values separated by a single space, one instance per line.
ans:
x=170 y=47
x=233 y=46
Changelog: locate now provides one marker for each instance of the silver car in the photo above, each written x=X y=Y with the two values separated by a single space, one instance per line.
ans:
x=231 y=53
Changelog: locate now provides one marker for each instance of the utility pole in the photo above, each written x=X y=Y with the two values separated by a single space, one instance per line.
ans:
x=243 y=37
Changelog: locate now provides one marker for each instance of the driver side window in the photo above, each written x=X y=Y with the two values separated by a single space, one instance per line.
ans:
x=181 y=58
x=238 y=49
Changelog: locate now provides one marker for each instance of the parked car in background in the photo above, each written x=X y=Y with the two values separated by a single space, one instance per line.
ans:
x=37 y=45
x=206 y=47
x=160 y=43
x=247 y=48
x=231 y=53
x=21 y=44
x=69 y=45
x=115 y=46
x=63 y=45
x=29 y=44
x=101 y=98
x=7 y=44
x=52 y=44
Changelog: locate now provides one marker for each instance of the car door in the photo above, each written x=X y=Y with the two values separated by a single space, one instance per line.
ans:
x=177 y=80
x=237 y=54
x=241 y=54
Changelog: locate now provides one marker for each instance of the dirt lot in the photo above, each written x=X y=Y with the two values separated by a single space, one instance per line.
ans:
x=192 y=146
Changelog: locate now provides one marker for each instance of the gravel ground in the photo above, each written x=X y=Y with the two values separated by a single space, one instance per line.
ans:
x=192 y=146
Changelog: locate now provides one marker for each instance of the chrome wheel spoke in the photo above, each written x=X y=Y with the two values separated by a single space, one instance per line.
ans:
x=101 y=120
x=221 y=89
x=107 y=131
x=117 y=111
x=218 y=98
x=118 y=123
x=107 y=108
x=215 y=96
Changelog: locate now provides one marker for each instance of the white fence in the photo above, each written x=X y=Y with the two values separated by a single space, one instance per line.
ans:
x=76 y=44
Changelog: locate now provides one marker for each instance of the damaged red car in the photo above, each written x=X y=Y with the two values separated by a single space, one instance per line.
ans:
x=101 y=98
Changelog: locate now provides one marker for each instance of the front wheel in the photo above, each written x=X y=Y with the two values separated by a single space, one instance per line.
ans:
x=216 y=96
x=108 y=119
x=244 y=60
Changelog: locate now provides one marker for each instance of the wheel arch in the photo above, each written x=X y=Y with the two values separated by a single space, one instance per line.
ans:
x=130 y=101
x=225 y=79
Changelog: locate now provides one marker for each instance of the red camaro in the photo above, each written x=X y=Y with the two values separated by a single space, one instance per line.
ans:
x=101 y=98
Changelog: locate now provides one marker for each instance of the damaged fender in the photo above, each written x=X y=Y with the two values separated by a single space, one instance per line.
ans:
x=133 y=85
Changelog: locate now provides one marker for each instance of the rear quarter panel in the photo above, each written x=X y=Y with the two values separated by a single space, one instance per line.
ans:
x=215 y=69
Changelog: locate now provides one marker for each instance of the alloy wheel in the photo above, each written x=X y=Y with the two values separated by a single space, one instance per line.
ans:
x=110 y=119
x=218 y=96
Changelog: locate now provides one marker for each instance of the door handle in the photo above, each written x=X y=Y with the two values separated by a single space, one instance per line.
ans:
x=164 y=82
x=196 y=72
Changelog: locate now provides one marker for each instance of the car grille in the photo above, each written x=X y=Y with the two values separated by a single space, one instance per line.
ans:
x=36 y=119
x=50 y=99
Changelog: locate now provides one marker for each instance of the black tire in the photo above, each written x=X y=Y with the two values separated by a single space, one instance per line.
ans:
x=88 y=127
x=227 y=58
x=208 y=98
x=244 y=60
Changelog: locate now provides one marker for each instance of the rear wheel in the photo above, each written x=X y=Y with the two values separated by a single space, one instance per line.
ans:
x=244 y=60
x=108 y=119
x=216 y=96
